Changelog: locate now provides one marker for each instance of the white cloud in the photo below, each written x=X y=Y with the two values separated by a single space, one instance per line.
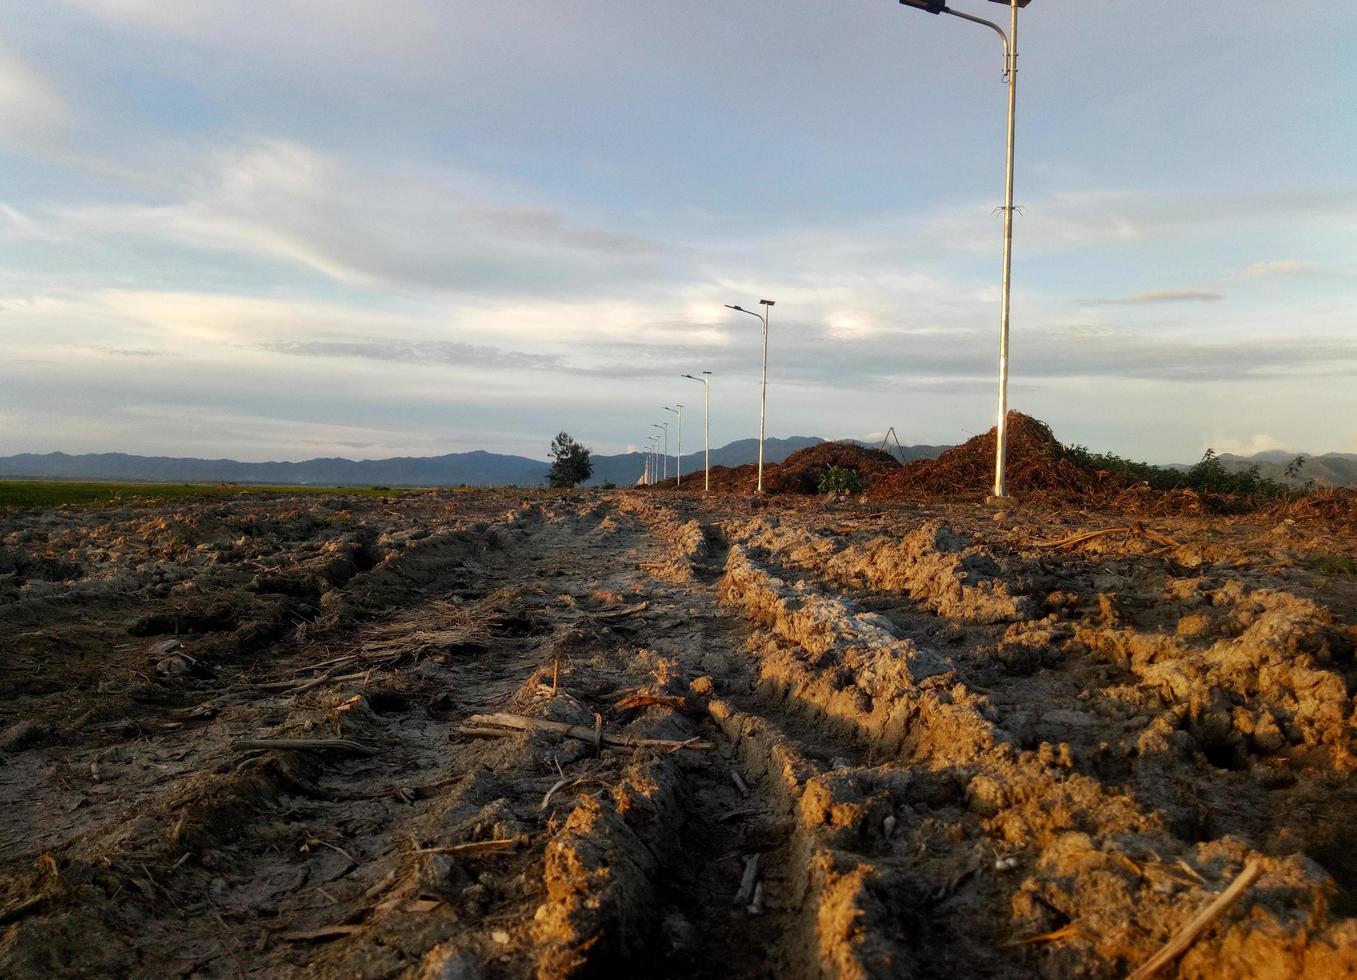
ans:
x=1259 y=442
x=1280 y=267
x=1161 y=296
x=31 y=108
x=398 y=225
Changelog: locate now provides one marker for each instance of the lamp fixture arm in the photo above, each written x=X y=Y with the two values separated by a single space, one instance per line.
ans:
x=1003 y=35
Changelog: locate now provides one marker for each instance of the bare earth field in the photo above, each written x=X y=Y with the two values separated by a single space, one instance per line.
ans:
x=512 y=734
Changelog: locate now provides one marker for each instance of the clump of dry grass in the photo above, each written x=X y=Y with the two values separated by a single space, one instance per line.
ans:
x=440 y=627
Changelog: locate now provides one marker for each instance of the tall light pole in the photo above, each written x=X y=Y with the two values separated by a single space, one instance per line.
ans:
x=706 y=427
x=767 y=305
x=1011 y=76
x=665 y=427
x=678 y=454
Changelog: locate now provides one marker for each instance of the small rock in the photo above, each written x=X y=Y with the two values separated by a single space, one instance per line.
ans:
x=500 y=936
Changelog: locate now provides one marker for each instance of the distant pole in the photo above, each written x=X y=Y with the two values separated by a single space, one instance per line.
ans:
x=678 y=457
x=706 y=427
x=767 y=305
x=664 y=427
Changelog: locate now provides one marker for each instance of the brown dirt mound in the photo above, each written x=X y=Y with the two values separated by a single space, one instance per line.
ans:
x=801 y=471
x=735 y=479
x=1039 y=471
x=1037 y=467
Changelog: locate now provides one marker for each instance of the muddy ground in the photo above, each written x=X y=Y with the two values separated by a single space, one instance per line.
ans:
x=253 y=738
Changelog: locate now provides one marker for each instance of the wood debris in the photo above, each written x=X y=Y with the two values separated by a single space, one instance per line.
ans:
x=502 y=724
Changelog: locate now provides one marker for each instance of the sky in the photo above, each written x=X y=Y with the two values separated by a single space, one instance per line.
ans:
x=372 y=228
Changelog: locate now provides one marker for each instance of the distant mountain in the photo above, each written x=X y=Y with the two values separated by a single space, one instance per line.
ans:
x=1327 y=470
x=1330 y=469
x=474 y=469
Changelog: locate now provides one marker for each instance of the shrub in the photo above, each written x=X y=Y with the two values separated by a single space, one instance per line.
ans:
x=840 y=480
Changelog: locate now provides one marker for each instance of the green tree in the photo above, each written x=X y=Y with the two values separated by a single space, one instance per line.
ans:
x=570 y=463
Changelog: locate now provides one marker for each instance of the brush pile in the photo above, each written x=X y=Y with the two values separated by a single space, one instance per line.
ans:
x=801 y=471
x=1040 y=471
x=1037 y=469
x=1336 y=504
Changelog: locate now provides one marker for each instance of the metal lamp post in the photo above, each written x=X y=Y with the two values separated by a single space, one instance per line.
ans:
x=706 y=427
x=678 y=454
x=664 y=469
x=1011 y=76
x=767 y=305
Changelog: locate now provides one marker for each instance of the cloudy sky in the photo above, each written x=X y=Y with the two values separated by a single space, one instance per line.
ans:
x=380 y=227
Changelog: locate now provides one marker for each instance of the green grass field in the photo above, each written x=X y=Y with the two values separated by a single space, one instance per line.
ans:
x=24 y=494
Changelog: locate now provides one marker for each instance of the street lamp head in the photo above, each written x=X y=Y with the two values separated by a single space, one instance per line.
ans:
x=740 y=308
x=940 y=6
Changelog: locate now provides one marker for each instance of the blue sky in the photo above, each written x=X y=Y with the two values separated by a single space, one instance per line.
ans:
x=420 y=226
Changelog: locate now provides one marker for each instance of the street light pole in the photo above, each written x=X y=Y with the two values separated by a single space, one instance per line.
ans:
x=1011 y=76
x=664 y=426
x=678 y=456
x=767 y=305
x=706 y=427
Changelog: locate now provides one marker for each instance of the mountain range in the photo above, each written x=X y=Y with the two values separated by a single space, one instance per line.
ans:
x=482 y=468
x=1329 y=469
x=455 y=469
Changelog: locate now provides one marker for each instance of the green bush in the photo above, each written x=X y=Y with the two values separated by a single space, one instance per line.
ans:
x=841 y=479
x=1209 y=475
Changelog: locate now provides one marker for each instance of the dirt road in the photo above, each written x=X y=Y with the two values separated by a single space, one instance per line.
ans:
x=272 y=738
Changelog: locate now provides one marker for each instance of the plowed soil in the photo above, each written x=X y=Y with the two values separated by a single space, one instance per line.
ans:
x=271 y=737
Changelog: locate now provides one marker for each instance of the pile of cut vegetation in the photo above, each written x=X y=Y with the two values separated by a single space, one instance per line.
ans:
x=1038 y=467
x=1336 y=504
x=802 y=471
x=1043 y=471
x=731 y=479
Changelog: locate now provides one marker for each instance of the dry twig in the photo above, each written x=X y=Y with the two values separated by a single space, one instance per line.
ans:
x=1136 y=530
x=318 y=744
x=1188 y=934
x=475 y=847
x=506 y=724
